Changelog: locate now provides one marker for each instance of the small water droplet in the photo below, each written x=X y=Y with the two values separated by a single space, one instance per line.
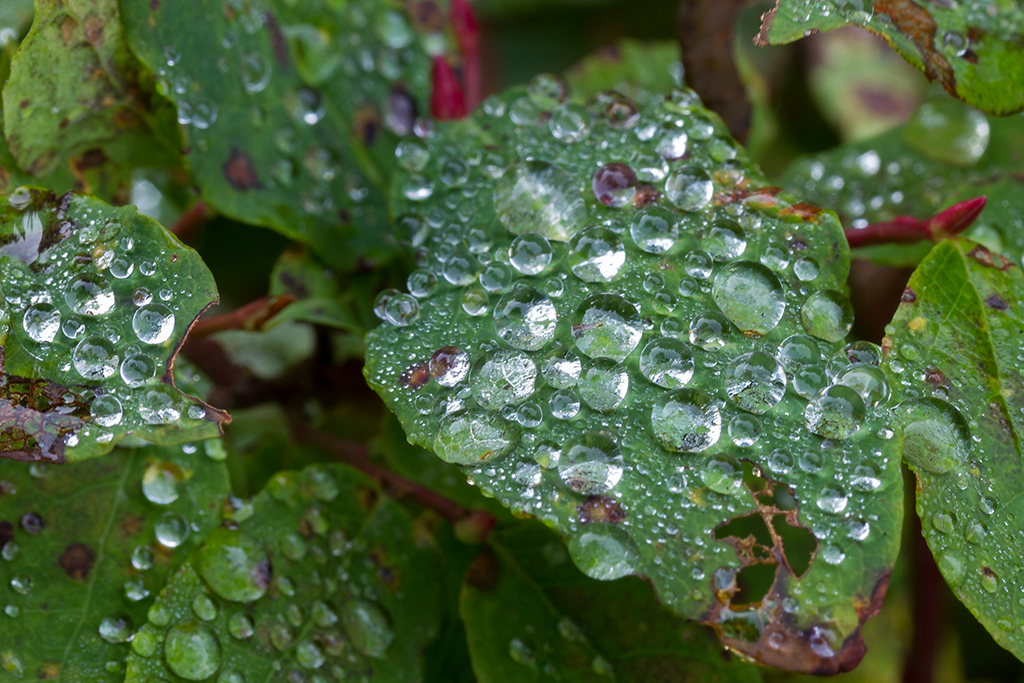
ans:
x=368 y=627
x=192 y=651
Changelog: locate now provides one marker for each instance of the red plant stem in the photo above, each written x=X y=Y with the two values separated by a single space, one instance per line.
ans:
x=951 y=221
x=188 y=223
x=929 y=611
x=447 y=100
x=467 y=32
x=357 y=455
x=252 y=316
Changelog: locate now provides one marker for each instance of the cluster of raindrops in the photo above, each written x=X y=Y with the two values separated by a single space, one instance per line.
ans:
x=98 y=302
x=287 y=576
x=624 y=320
x=363 y=46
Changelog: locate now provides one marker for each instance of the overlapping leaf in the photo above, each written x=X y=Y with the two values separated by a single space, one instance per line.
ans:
x=954 y=347
x=85 y=547
x=292 y=110
x=531 y=615
x=319 y=576
x=948 y=152
x=972 y=50
x=630 y=359
x=96 y=301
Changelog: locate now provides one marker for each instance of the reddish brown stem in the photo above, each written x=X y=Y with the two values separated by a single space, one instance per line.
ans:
x=253 y=316
x=952 y=221
x=929 y=611
x=357 y=455
x=187 y=225
x=447 y=100
x=467 y=32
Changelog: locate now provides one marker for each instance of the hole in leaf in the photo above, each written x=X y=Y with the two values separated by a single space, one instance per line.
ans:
x=753 y=583
x=798 y=545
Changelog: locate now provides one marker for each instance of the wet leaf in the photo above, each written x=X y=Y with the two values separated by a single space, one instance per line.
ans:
x=79 y=101
x=89 y=545
x=290 y=122
x=973 y=53
x=96 y=302
x=531 y=615
x=602 y=350
x=632 y=67
x=953 y=348
x=320 y=573
x=947 y=153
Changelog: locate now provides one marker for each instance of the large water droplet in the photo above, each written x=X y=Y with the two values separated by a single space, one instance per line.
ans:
x=614 y=185
x=709 y=330
x=171 y=530
x=725 y=240
x=936 y=437
x=116 y=629
x=689 y=188
x=561 y=369
x=137 y=369
x=827 y=315
x=654 y=229
x=604 y=385
x=234 y=565
x=449 y=365
x=95 y=358
x=570 y=122
x=755 y=382
x=751 y=296
x=948 y=131
x=471 y=437
x=866 y=380
x=723 y=475
x=686 y=422
x=604 y=552
x=41 y=323
x=797 y=351
x=667 y=362
x=160 y=482
x=607 y=326
x=89 y=294
x=530 y=254
x=159 y=405
x=503 y=377
x=836 y=413
x=192 y=651
x=539 y=197
x=368 y=627
x=591 y=464
x=596 y=255
x=525 y=318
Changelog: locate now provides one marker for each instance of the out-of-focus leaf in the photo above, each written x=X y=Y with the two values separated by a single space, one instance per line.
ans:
x=292 y=110
x=320 y=573
x=948 y=152
x=860 y=85
x=531 y=615
x=87 y=545
x=269 y=354
x=634 y=68
x=954 y=348
x=96 y=302
x=643 y=378
x=974 y=54
x=78 y=100
x=320 y=296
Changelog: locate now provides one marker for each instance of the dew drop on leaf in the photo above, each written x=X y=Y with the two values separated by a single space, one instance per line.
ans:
x=368 y=627
x=686 y=422
x=936 y=437
x=192 y=651
x=234 y=565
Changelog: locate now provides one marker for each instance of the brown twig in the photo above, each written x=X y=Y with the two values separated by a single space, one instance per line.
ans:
x=705 y=29
x=187 y=225
x=470 y=525
x=253 y=316
x=929 y=611
x=952 y=221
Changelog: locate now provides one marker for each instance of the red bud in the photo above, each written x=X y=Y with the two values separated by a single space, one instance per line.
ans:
x=447 y=101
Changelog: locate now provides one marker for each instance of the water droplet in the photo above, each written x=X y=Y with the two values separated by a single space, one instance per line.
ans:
x=709 y=330
x=667 y=362
x=561 y=369
x=690 y=189
x=309 y=655
x=95 y=358
x=604 y=385
x=460 y=268
x=604 y=552
x=137 y=369
x=836 y=413
x=950 y=132
x=234 y=565
x=22 y=584
x=41 y=323
x=171 y=530
x=866 y=380
x=255 y=72
x=421 y=283
x=90 y=295
x=614 y=185
x=412 y=156
x=538 y=197
x=596 y=255
x=832 y=501
x=305 y=106
x=402 y=310
x=192 y=651
x=723 y=475
x=530 y=254
x=827 y=315
x=449 y=365
x=832 y=554
x=989 y=580
x=570 y=123
x=686 y=422
x=521 y=653
x=503 y=377
x=547 y=91
x=591 y=464
x=751 y=296
x=158 y=405
x=240 y=626
x=755 y=382
x=698 y=264
x=564 y=404
x=160 y=482
x=116 y=629
x=607 y=326
x=671 y=142
x=368 y=627
x=203 y=607
x=805 y=269
x=142 y=558
x=654 y=229
x=797 y=351
x=936 y=437
x=525 y=318
x=474 y=436
x=744 y=430
x=725 y=240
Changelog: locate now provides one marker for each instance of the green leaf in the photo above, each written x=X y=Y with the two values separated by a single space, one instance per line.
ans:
x=635 y=68
x=96 y=302
x=88 y=544
x=531 y=615
x=322 y=299
x=600 y=378
x=974 y=55
x=953 y=346
x=948 y=152
x=291 y=122
x=321 y=573
x=78 y=99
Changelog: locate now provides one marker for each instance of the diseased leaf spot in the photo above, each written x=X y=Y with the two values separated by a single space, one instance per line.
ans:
x=277 y=39
x=997 y=302
x=415 y=376
x=989 y=259
x=77 y=561
x=6 y=532
x=600 y=510
x=239 y=171
x=909 y=296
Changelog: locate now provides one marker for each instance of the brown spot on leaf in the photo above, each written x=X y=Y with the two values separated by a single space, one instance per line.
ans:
x=415 y=376
x=154 y=5
x=77 y=560
x=908 y=296
x=485 y=572
x=67 y=30
x=916 y=22
x=600 y=510
x=885 y=102
x=277 y=39
x=989 y=259
x=934 y=376
x=132 y=525
x=367 y=498
x=997 y=302
x=94 y=31
x=49 y=671
x=646 y=194
x=388 y=571
x=6 y=532
x=366 y=125
x=239 y=171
